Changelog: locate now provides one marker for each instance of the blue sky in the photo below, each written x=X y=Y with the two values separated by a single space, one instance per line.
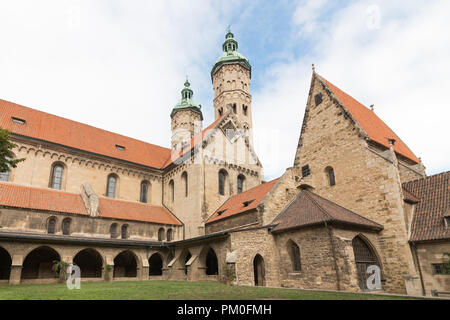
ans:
x=120 y=65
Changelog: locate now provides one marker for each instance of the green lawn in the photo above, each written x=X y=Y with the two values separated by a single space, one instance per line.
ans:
x=166 y=290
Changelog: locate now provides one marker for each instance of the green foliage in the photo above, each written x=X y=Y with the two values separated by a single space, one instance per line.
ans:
x=7 y=157
x=108 y=269
x=60 y=270
x=446 y=264
x=229 y=273
x=171 y=290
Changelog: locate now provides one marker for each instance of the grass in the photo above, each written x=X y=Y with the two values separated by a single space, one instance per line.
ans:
x=168 y=290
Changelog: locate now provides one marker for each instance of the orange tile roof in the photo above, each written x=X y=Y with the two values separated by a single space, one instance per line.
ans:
x=19 y=196
x=376 y=129
x=51 y=128
x=235 y=204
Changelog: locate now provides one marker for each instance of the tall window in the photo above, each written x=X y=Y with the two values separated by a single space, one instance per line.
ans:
x=161 y=234
x=240 y=183
x=66 y=226
x=51 y=225
x=111 y=187
x=295 y=256
x=113 y=230
x=144 y=191
x=57 y=176
x=184 y=178
x=331 y=178
x=125 y=231
x=222 y=181
x=172 y=191
x=169 y=235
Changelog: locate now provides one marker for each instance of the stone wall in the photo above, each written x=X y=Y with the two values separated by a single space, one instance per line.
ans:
x=246 y=219
x=429 y=254
x=80 y=167
x=20 y=220
x=366 y=182
x=247 y=244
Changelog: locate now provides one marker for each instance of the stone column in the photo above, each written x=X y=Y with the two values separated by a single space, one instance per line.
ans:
x=16 y=269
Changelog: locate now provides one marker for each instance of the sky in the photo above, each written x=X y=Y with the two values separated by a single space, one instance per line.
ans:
x=120 y=65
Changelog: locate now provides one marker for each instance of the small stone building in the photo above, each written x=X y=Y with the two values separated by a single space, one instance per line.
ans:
x=119 y=208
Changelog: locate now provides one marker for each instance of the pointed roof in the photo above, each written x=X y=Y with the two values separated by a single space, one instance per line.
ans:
x=243 y=202
x=19 y=196
x=48 y=127
x=434 y=193
x=186 y=101
x=373 y=126
x=230 y=54
x=309 y=209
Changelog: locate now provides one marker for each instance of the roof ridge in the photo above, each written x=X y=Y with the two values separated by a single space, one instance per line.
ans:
x=426 y=178
x=331 y=218
x=82 y=123
x=350 y=211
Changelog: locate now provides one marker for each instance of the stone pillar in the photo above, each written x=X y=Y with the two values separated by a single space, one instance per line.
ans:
x=16 y=269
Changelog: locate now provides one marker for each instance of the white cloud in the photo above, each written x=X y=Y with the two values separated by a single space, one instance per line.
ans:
x=112 y=64
x=402 y=68
x=306 y=14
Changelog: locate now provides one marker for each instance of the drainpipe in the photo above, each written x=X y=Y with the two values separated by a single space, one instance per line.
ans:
x=424 y=293
x=333 y=249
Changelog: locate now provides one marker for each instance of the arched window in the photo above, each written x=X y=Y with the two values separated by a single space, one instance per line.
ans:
x=172 y=191
x=170 y=235
x=184 y=178
x=66 y=226
x=51 y=225
x=111 y=186
x=113 y=231
x=240 y=183
x=294 y=252
x=220 y=112
x=144 y=191
x=57 y=176
x=364 y=257
x=161 y=234
x=330 y=174
x=125 y=231
x=244 y=109
x=222 y=181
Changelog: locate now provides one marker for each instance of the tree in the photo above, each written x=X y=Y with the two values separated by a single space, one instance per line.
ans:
x=446 y=264
x=7 y=157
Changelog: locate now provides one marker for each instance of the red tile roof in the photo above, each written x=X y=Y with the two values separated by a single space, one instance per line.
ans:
x=434 y=194
x=375 y=128
x=51 y=128
x=18 y=196
x=310 y=209
x=235 y=204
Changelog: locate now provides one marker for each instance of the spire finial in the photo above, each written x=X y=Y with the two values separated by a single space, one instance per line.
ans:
x=186 y=83
x=229 y=28
x=313 y=68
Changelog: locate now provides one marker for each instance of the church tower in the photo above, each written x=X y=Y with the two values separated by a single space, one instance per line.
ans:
x=186 y=118
x=231 y=76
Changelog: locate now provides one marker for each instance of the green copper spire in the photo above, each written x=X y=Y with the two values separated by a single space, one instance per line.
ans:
x=230 y=54
x=186 y=101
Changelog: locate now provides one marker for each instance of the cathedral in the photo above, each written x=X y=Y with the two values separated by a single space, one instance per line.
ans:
x=122 y=209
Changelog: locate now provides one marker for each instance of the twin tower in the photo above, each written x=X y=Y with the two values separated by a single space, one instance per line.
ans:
x=230 y=77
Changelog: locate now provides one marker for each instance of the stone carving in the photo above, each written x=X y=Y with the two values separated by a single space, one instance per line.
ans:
x=90 y=199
